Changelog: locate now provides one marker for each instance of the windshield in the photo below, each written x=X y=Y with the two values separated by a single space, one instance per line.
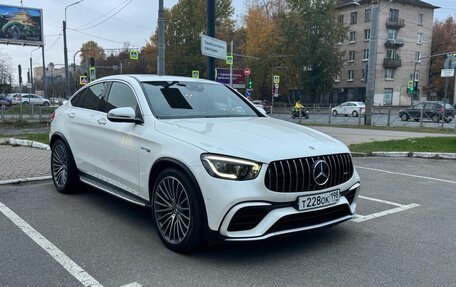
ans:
x=170 y=100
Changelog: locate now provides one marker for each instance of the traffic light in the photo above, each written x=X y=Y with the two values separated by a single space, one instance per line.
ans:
x=250 y=85
x=411 y=90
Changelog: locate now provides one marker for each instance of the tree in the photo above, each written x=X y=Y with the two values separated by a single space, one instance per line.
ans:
x=5 y=73
x=311 y=34
x=443 y=41
x=90 y=49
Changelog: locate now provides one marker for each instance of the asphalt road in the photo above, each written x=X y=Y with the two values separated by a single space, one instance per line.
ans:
x=404 y=237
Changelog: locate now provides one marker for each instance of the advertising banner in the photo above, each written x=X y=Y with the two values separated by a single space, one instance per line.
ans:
x=21 y=25
x=223 y=76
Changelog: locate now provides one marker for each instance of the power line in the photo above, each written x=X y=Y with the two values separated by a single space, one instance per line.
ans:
x=99 y=23
x=95 y=36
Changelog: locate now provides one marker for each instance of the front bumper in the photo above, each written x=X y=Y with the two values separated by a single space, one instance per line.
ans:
x=247 y=210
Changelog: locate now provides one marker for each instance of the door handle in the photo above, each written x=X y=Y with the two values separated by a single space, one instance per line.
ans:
x=71 y=115
x=101 y=121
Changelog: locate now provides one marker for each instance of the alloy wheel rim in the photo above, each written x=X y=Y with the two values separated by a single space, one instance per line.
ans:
x=59 y=166
x=172 y=210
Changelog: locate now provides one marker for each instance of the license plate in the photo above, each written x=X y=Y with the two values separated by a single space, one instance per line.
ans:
x=318 y=200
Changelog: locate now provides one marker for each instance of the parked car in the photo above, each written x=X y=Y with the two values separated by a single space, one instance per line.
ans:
x=264 y=104
x=5 y=101
x=32 y=99
x=349 y=109
x=206 y=162
x=432 y=110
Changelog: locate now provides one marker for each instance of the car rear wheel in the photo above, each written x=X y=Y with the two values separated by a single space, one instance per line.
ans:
x=355 y=114
x=63 y=168
x=46 y=104
x=177 y=211
x=404 y=117
x=25 y=103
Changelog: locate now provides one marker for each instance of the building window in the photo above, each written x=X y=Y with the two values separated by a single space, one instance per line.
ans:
x=350 y=76
x=353 y=36
x=353 y=17
x=363 y=74
x=417 y=76
x=418 y=57
x=337 y=78
x=391 y=34
x=391 y=54
x=394 y=15
x=365 y=54
x=340 y=19
x=367 y=15
x=351 y=56
x=419 y=38
x=367 y=34
x=420 y=19
x=389 y=74
x=388 y=97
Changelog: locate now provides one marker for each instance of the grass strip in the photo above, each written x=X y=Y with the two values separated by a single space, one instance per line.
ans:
x=427 y=144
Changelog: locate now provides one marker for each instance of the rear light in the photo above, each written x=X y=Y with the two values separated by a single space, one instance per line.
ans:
x=52 y=116
x=442 y=110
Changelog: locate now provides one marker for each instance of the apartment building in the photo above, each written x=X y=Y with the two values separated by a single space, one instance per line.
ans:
x=404 y=40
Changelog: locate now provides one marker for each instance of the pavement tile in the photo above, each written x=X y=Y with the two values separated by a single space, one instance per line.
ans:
x=23 y=162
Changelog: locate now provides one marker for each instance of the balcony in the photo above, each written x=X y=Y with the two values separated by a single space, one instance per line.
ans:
x=395 y=23
x=391 y=63
x=394 y=43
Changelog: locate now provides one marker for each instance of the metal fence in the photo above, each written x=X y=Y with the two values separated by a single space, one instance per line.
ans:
x=28 y=113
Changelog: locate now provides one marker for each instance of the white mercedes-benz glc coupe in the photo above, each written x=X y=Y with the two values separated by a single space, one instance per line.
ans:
x=208 y=164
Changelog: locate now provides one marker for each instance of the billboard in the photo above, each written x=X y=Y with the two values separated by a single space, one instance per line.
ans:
x=223 y=76
x=21 y=25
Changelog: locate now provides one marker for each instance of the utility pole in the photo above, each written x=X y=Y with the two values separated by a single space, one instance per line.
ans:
x=44 y=71
x=231 y=66
x=211 y=33
x=31 y=76
x=372 y=62
x=65 y=55
x=161 y=40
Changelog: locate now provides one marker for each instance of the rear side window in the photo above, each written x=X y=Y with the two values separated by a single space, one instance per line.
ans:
x=120 y=96
x=93 y=96
x=78 y=99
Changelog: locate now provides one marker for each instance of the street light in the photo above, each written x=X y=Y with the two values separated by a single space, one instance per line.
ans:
x=65 y=50
x=31 y=68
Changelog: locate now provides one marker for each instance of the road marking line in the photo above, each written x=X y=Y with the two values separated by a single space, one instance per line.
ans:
x=134 y=284
x=380 y=200
x=361 y=218
x=405 y=174
x=74 y=269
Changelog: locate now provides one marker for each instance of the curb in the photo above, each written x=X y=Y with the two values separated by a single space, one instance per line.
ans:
x=25 y=179
x=19 y=142
x=428 y=155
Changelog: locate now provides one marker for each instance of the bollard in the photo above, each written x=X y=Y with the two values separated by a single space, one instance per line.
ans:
x=421 y=116
x=329 y=118
x=359 y=117
x=389 y=117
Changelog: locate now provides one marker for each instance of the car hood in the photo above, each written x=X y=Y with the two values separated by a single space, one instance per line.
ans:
x=263 y=139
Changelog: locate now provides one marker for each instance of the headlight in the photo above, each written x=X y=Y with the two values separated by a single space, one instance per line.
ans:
x=230 y=167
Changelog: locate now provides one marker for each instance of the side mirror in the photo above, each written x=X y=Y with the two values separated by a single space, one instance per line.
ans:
x=122 y=115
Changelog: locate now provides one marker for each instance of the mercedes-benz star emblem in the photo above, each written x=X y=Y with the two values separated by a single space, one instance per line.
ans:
x=320 y=172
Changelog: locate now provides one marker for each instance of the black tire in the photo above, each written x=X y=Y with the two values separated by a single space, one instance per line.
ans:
x=448 y=119
x=63 y=168
x=435 y=118
x=334 y=113
x=404 y=117
x=293 y=116
x=46 y=104
x=355 y=114
x=178 y=215
x=25 y=103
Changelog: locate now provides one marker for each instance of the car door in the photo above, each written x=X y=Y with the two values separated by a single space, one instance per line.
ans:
x=80 y=126
x=341 y=109
x=429 y=110
x=117 y=144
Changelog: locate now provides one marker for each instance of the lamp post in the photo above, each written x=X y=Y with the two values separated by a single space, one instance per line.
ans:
x=65 y=51
x=31 y=69
x=161 y=40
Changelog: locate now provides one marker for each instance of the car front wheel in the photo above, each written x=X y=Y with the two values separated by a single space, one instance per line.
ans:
x=355 y=114
x=177 y=211
x=46 y=104
x=435 y=118
x=63 y=168
x=404 y=117
x=334 y=113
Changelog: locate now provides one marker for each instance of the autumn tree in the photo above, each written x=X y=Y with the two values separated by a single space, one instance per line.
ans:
x=311 y=33
x=443 y=41
x=90 y=49
x=6 y=73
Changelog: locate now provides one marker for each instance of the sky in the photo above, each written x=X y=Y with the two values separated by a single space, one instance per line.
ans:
x=134 y=24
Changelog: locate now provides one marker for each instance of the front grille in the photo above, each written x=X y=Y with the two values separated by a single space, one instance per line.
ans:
x=310 y=218
x=295 y=175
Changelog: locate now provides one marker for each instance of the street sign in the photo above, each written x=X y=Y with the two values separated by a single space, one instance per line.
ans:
x=223 y=76
x=134 y=54
x=276 y=79
x=213 y=47
x=83 y=80
x=247 y=71
x=229 y=60
x=409 y=84
x=195 y=74
x=276 y=86
x=248 y=93
x=447 y=73
x=92 y=74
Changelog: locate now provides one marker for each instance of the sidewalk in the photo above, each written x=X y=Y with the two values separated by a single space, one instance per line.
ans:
x=22 y=164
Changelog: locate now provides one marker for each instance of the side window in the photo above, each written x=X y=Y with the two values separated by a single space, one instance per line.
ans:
x=93 y=96
x=120 y=95
x=78 y=99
